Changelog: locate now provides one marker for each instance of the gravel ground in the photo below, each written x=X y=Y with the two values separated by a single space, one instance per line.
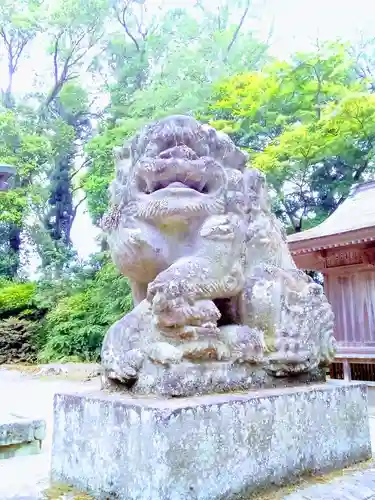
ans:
x=26 y=477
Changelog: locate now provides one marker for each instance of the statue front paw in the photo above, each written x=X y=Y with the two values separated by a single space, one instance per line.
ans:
x=164 y=353
x=178 y=312
x=169 y=285
x=124 y=366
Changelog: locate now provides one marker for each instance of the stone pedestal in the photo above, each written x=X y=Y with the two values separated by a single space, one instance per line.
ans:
x=20 y=436
x=207 y=447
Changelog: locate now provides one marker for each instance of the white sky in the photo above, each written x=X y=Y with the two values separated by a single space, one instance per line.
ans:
x=297 y=24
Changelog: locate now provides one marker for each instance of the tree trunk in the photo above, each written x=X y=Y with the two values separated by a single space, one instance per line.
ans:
x=15 y=247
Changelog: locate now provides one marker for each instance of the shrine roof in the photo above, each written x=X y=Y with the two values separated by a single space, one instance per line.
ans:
x=6 y=171
x=352 y=223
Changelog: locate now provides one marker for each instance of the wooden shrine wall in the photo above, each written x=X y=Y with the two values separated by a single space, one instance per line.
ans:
x=352 y=297
x=349 y=283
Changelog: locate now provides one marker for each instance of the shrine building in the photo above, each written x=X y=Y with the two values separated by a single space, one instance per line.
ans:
x=343 y=249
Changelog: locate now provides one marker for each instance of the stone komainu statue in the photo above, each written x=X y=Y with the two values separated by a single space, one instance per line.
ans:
x=218 y=299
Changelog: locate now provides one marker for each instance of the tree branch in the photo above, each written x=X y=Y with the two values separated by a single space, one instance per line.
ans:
x=19 y=51
x=14 y=45
x=71 y=60
x=239 y=26
x=360 y=171
x=60 y=79
x=317 y=96
x=84 y=164
x=4 y=37
x=74 y=213
x=74 y=190
x=55 y=55
x=122 y=20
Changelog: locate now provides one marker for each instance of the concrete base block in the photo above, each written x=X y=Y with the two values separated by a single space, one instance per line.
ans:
x=207 y=447
x=20 y=436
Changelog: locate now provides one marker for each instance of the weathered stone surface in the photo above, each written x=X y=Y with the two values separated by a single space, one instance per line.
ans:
x=15 y=429
x=21 y=449
x=191 y=379
x=211 y=273
x=207 y=447
x=20 y=436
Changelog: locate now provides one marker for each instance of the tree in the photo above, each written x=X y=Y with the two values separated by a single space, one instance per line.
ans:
x=59 y=110
x=30 y=152
x=307 y=125
x=74 y=31
x=71 y=128
x=75 y=326
x=18 y=27
x=164 y=62
x=315 y=165
x=100 y=173
x=363 y=54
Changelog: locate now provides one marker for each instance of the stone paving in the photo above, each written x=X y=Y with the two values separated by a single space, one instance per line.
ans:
x=24 y=478
x=357 y=486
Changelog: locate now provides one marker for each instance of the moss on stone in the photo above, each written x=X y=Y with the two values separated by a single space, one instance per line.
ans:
x=59 y=491
x=305 y=480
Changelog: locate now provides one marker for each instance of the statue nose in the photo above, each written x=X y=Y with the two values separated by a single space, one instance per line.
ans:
x=183 y=152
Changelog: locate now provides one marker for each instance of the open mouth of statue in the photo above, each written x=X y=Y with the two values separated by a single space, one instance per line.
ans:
x=178 y=179
x=200 y=187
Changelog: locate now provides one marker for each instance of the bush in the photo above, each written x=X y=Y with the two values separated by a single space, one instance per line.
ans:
x=17 y=341
x=62 y=319
x=77 y=325
x=15 y=297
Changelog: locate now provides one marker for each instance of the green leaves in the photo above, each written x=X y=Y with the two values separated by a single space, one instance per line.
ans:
x=15 y=297
x=164 y=62
x=76 y=326
x=308 y=124
x=74 y=99
x=67 y=318
x=29 y=153
x=101 y=171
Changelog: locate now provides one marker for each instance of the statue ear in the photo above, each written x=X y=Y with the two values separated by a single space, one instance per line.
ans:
x=254 y=181
x=122 y=152
x=122 y=163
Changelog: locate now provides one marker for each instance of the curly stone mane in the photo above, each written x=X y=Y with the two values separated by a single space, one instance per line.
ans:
x=213 y=280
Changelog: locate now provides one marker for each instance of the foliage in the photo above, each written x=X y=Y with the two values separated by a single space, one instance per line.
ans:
x=17 y=340
x=19 y=322
x=65 y=317
x=164 y=62
x=308 y=124
x=20 y=23
x=100 y=174
x=30 y=152
x=323 y=160
x=15 y=297
x=55 y=115
x=76 y=326
x=66 y=278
